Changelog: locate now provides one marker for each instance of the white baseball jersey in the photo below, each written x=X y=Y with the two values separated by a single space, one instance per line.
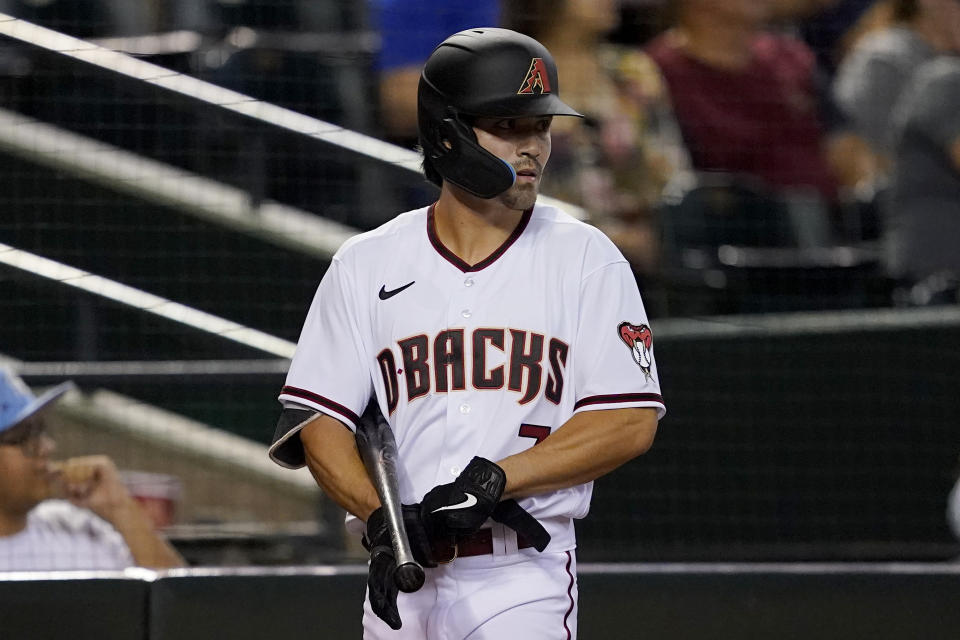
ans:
x=483 y=360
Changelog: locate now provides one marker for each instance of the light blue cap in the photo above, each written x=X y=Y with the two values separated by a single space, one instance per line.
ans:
x=17 y=402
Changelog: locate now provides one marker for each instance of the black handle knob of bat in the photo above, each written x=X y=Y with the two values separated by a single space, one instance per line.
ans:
x=409 y=577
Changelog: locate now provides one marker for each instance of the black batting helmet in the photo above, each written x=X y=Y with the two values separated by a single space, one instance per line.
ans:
x=482 y=72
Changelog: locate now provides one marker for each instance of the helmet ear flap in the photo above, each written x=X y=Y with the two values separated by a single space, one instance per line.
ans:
x=460 y=159
x=452 y=129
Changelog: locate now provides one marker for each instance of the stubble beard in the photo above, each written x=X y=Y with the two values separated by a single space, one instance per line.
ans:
x=520 y=197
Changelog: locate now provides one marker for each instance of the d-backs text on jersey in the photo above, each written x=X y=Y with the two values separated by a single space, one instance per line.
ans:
x=438 y=364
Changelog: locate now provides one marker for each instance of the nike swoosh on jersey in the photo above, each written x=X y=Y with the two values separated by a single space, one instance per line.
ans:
x=468 y=502
x=384 y=294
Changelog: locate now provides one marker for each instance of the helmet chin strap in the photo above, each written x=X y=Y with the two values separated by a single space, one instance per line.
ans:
x=468 y=165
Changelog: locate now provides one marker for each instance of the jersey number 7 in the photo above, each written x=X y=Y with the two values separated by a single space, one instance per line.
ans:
x=535 y=431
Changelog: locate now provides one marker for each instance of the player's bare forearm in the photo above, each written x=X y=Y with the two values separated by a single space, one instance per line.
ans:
x=589 y=445
x=333 y=459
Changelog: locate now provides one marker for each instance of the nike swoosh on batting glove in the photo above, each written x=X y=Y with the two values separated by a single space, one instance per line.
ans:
x=461 y=507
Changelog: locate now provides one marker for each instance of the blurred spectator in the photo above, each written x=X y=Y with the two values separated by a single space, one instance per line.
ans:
x=640 y=21
x=749 y=102
x=830 y=27
x=924 y=226
x=258 y=14
x=873 y=76
x=98 y=524
x=88 y=18
x=409 y=33
x=617 y=163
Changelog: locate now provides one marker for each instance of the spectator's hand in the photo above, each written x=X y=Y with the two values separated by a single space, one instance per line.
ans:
x=850 y=159
x=92 y=482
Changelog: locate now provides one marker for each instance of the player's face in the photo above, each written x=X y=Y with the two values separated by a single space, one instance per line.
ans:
x=523 y=143
x=25 y=477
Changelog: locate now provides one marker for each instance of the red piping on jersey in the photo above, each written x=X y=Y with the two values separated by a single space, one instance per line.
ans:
x=324 y=402
x=619 y=397
x=453 y=259
x=569 y=595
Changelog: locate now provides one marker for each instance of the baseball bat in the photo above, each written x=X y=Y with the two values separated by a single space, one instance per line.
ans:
x=378 y=449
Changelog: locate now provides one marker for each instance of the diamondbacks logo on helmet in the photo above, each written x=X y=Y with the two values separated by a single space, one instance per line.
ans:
x=639 y=339
x=537 y=78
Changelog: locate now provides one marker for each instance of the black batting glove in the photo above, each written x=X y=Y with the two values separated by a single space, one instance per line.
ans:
x=381 y=576
x=420 y=542
x=461 y=507
x=510 y=513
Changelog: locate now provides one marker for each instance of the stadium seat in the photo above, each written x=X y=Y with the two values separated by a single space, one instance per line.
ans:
x=732 y=245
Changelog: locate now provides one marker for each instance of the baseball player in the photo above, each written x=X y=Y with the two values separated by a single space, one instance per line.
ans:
x=505 y=342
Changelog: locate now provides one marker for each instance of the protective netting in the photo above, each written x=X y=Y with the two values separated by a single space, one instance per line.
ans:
x=177 y=178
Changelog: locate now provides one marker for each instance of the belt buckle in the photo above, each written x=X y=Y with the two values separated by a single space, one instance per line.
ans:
x=456 y=550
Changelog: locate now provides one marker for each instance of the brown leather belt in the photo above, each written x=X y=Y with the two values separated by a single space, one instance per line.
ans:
x=477 y=544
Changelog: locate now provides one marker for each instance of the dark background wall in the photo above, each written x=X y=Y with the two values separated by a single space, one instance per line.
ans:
x=693 y=602
x=833 y=444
